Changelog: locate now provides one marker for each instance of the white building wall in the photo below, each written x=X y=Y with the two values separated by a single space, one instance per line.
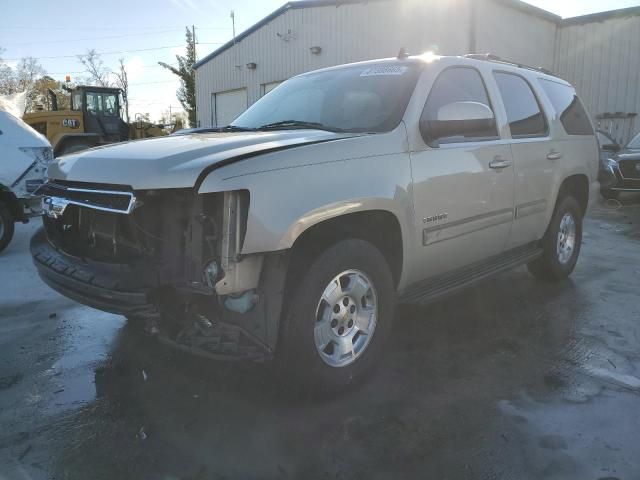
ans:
x=346 y=33
x=600 y=57
x=515 y=35
x=602 y=60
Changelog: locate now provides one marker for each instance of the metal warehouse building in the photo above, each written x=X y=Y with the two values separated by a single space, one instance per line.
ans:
x=598 y=53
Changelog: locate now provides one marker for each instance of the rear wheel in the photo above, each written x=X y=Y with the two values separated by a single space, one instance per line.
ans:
x=339 y=318
x=6 y=226
x=561 y=244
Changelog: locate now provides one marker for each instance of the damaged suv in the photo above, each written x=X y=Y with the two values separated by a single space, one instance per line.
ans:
x=293 y=232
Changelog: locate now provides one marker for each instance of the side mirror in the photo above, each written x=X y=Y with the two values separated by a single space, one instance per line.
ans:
x=611 y=147
x=459 y=119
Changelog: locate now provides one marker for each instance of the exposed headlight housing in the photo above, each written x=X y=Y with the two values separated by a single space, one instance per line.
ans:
x=210 y=273
x=610 y=164
x=43 y=156
x=33 y=177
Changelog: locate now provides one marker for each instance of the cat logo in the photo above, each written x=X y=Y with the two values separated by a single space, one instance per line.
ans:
x=70 y=123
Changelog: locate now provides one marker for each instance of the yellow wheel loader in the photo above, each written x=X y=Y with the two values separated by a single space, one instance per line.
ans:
x=94 y=120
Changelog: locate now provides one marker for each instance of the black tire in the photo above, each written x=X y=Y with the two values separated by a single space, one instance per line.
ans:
x=297 y=358
x=6 y=226
x=610 y=194
x=549 y=267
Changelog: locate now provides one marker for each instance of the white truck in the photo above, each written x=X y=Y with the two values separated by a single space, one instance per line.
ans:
x=24 y=157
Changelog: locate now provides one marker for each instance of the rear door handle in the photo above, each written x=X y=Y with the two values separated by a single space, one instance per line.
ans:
x=553 y=155
x=499 y=163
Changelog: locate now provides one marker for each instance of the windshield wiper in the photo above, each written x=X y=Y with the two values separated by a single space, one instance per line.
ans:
x=290 y=124
x=233 y=128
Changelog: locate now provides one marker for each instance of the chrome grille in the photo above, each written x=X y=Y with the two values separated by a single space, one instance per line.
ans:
x=630 y=169
x=106 y=200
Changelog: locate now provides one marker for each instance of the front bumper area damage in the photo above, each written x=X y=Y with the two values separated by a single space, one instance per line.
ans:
x=146 y=260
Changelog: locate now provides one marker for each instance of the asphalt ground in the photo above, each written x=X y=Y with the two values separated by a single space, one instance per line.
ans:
x=510 y=379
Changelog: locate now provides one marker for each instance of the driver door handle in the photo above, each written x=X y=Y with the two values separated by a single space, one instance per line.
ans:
x=553 y=155
x=499 y=163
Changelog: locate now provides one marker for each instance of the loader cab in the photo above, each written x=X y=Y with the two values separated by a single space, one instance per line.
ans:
x=100 y=107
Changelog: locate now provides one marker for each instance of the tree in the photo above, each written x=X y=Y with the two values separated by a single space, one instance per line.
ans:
x=187 y=92
x=42 y=97
x=173 y=120
x=122 y=82
x=23 y=78
x=26 y=75
x=94 y=66
x=6 y=77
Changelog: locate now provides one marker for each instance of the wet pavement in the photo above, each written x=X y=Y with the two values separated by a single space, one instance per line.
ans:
x=512 y=379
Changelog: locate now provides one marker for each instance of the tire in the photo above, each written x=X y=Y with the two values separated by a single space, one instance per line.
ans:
x=349 y=271
x=6 y=226
x=610 y=194
x=561 y=243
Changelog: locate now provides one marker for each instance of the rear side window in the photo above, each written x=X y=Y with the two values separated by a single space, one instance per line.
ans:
x=524 y=114
x=566 y=103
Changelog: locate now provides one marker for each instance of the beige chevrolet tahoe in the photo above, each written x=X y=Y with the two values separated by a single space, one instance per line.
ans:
x=292 y=233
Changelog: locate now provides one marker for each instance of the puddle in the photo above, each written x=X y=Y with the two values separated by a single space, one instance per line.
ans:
x=85 y=343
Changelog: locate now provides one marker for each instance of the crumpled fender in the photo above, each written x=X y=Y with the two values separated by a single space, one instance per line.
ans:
x=292 y=190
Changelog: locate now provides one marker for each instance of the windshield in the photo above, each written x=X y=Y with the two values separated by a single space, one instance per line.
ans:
x=365 y=98
x=634 y=143
x=102 y=103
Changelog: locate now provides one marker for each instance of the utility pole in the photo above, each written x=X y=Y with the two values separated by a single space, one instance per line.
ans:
x=233 y=28
x=193 y=37
x=233 y=25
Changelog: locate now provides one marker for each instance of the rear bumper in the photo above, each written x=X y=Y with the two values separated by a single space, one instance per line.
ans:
x=94 y=284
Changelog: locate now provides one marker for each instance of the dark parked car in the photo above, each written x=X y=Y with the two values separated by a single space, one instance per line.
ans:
x=619 y=167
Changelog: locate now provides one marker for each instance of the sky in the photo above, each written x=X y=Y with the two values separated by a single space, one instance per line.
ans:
x=144 y=32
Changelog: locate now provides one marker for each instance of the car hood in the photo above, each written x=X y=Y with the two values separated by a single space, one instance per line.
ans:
x=628 y=154
x=176 y=161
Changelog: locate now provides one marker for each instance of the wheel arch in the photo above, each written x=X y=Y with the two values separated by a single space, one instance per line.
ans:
x=577 y=186
x=379 y=227
x=11 y=201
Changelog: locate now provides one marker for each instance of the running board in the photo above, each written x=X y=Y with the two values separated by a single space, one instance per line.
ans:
x=444 y=284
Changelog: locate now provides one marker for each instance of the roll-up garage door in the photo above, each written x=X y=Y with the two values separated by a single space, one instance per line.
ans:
x=267 y=87
x=228 y=105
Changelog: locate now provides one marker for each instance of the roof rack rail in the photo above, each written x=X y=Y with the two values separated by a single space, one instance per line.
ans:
x=489 y=57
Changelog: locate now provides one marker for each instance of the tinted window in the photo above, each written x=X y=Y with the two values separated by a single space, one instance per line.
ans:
x=523 y=111
x=634 y=143
x=566 y=103
x=458 y=85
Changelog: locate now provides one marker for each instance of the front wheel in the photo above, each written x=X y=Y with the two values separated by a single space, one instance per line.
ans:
x=339 y=317
x=6 y=226
x=561 y=244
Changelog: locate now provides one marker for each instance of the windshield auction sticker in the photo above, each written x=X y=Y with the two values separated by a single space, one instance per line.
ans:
x=384 y=70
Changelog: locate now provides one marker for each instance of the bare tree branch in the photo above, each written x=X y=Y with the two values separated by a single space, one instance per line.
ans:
x=94 y=66
x=122 y=82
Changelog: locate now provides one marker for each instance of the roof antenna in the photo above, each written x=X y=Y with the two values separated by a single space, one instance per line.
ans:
x=402 y=53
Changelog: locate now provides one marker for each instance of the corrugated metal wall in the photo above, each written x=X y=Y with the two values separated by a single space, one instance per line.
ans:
x=602 y=60
x=346 y=33
x=515 y=35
